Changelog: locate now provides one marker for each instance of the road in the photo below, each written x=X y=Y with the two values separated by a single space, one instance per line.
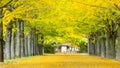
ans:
x=64 y=61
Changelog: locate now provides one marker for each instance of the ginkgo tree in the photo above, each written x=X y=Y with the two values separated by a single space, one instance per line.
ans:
x=3 y=4
x=32 y=22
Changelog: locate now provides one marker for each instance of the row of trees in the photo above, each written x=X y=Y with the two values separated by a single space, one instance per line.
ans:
x=18 y=44
x=50 y=19
x=23 y=22
x=104 y=41
x=17 y=37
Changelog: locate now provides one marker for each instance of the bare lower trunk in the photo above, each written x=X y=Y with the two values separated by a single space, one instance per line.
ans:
x=91 y=47
x=32 y=43
x=37 y=48
x=1 y=39
x=8 y=41
x=35 y=44
x=13 y=46
x=98 y=47
x=18 y=43
x=41 y=49
x=26 y=45
x=110 y=46
x=42 y=45
x=29 y=44
x=103 y=48
x=118 y=46
x=22 y=40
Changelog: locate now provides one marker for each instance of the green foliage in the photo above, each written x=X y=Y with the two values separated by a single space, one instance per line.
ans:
x=83 y=47
x=49 y=48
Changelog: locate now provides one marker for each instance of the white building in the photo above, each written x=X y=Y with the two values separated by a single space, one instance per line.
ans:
x=66 y=48
x=63 y=48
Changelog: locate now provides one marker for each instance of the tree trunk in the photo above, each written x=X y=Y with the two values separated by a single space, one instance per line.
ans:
x=18 y=42
x=41 y=46
x=37 y=46
x=22 y=39
x=26 y=45
x=103 y=47
x=8 y=41
x=32 y=42
x=118 y=46
x=110 y=46
x=35 y=49
x=91 y=47
x=29 y=44
x=1 y=37
x=41 y=49
x=98 y=47
x=13 y=46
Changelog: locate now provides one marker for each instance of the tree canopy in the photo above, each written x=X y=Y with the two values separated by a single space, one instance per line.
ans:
x=62 y=20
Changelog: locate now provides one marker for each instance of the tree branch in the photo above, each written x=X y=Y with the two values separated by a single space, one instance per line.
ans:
x=93 y=5
x=6 y=4
x=117 y=6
